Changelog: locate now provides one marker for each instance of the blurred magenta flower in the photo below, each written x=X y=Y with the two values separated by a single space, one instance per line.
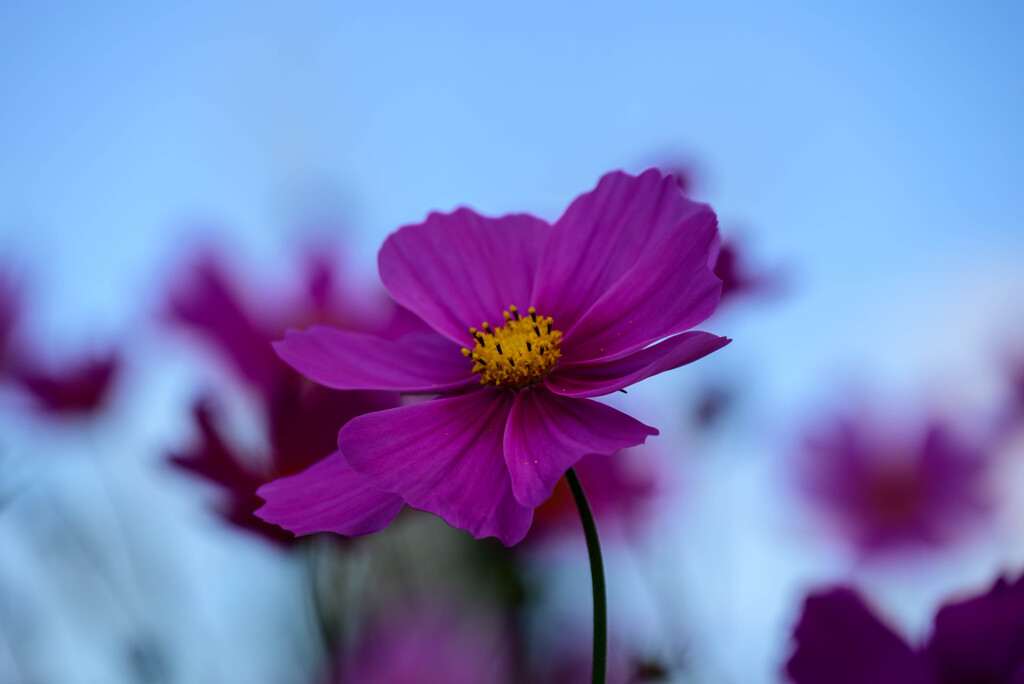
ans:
x=79 y=387
x=887 y=487
x=839 y=640
x=429 y=644
x=607 y=293
x=302 y=418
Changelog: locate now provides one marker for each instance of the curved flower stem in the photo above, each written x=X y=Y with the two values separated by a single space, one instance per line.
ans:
x=597 y=578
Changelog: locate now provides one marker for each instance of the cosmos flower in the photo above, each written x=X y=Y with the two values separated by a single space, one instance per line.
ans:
x=301 y=418
x=888 y=488
x=528 y=322
x=839 y=640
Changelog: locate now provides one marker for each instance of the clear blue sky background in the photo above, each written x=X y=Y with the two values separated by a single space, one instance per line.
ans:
x=873 y=149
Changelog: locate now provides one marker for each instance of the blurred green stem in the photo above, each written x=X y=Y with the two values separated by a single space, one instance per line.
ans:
x=597 y=578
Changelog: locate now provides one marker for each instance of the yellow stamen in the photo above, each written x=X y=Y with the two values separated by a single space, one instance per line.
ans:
x=519 y=353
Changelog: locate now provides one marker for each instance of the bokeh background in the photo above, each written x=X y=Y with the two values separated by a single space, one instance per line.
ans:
x=864 y=158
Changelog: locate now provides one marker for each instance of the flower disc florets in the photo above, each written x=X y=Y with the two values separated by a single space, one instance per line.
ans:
x=519 y=353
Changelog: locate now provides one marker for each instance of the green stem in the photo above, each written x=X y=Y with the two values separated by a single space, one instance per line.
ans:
x=597 y=577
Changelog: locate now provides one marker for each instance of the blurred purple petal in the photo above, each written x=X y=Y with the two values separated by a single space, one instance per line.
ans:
x=302 y=418
x=214 y=460
x=81 y=387
x=737 y=278
x=982 y=639
x=208 y=305
x=840 y=641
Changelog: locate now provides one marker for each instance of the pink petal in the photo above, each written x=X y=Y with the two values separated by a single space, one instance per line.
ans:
x=444 y=456
x=670 y=288
x=457 y=270
x=328 y=497
x=601 y=237
x=341 y=359
x=547 y=434
x=587 y=379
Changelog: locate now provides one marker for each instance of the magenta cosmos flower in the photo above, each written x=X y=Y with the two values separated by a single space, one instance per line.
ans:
x=528 y=321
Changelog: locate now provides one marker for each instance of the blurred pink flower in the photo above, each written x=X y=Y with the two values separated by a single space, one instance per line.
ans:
x=886 y=488
x=301 y=418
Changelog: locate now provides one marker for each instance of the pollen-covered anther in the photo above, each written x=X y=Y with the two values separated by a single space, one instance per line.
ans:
x=519 y=353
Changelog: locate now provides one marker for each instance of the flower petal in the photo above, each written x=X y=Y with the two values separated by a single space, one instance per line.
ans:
x=670 y=288
x=585 y=379
x=982 y=639
x=457 y=270
x=840 y=641
x=421 y=362
x=444 y=456
x=600 y=238
x=211 y=306
x=328 y=497
x=547 y=434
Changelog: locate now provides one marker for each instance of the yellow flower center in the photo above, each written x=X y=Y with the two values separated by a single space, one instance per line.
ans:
x=518 y=354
